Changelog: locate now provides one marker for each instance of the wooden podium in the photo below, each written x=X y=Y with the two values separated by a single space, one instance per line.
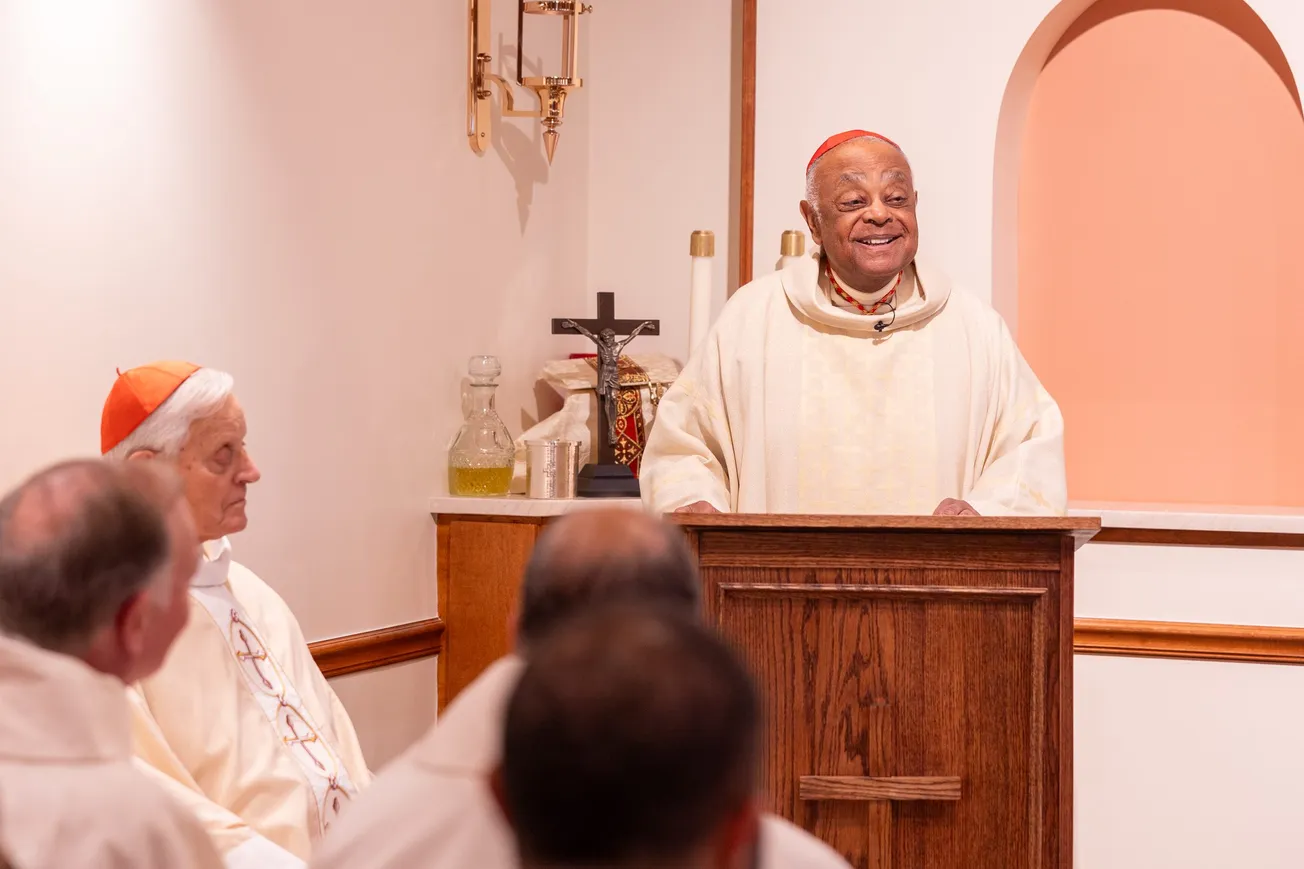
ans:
x=917 y=674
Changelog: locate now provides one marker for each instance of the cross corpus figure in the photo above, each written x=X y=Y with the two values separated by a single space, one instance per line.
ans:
x=607 y=478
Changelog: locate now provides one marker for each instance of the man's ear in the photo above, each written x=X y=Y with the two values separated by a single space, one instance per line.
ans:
x=142 y=455
x=499 y=789
x=812 y=221
x=132 y=624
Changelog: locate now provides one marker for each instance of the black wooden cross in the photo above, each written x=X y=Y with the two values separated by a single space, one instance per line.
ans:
x=606 y=319
x=606 y=477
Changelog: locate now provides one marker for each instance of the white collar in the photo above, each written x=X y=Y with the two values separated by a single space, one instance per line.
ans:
x=807 y=289
x=214 y=563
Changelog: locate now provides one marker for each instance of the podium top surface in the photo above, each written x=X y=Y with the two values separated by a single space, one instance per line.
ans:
x=1081 y=528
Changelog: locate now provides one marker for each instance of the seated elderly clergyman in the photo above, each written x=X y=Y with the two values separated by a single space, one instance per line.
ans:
x=95 y=558
x=857 y=380
x=631 y=742
x=432 y=807
x=239 y=722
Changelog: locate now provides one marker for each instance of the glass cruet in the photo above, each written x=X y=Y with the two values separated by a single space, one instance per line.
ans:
x=482 y=457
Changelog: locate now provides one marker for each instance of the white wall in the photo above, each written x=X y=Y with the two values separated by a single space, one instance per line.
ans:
x=1188 y=764
x=658 y=88
x=282 y=190
x=1191 y=584
x=1178 y=763
x=390 y=707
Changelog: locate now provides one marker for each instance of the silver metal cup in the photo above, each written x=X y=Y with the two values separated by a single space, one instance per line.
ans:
x=551 y=468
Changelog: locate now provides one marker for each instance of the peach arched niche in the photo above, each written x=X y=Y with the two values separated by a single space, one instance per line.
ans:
x=1152 y=167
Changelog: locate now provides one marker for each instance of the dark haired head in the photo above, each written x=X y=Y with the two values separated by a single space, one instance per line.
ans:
x=631 y=739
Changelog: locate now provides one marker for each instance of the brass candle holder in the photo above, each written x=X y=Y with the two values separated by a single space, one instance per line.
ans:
x=551 y=90
x=792 y=243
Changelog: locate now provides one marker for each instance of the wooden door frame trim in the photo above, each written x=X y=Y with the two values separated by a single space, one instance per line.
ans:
x=747 y=143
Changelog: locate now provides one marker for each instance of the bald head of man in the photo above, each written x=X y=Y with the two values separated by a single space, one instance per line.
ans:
x=95 y=558
x=604 y=556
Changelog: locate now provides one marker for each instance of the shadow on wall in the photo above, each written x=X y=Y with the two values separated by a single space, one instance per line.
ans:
x=521 y=152
x=1159 y=176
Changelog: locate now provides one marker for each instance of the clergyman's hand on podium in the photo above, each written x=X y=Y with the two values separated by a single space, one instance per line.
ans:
x=699 y=507
x=954 y=507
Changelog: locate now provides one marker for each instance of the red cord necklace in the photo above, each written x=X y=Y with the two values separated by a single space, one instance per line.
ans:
x=846 y=297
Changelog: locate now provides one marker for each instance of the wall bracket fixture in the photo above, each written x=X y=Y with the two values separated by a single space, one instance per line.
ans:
x=551 y=90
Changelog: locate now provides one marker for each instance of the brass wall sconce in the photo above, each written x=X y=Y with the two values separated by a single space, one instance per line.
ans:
x=551 y=90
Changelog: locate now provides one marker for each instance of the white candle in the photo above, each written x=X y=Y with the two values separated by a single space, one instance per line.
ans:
x=701 y=250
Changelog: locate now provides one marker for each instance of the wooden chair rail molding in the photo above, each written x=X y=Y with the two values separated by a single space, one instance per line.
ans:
x=1184 y=537
x=1130 y=639
x=1202 y=642
x=379 y=648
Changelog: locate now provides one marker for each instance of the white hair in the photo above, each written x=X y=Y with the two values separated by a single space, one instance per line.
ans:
x=812 y=193
x=167 y=429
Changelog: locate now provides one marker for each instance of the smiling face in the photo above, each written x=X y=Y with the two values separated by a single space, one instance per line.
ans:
x=863 y=216
x=217 y=471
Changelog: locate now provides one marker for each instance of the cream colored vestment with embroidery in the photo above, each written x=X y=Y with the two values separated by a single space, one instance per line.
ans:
x=243 y=726
x=70 y=796
x=795 y=404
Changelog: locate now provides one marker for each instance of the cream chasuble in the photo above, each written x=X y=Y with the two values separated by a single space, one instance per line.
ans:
x=69 y=794
x=432 y=807
x=795 y=404
x=243 y=723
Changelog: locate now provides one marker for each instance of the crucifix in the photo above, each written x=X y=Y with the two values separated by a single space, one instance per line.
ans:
x=607 y=477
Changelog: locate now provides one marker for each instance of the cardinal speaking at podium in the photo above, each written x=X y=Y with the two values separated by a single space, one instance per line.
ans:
x=857 y=380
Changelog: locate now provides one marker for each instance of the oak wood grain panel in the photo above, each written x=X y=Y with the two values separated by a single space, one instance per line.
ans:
x=1177 y=537
x=896 y=591
x=368 y=650
x=879 y=830
x=480 y=582
x=1183 y=640
x=442 y=528
x=1078 y=526
x=897 y=788
x=872 y=684
x=874 y=547
x=1058 y=709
